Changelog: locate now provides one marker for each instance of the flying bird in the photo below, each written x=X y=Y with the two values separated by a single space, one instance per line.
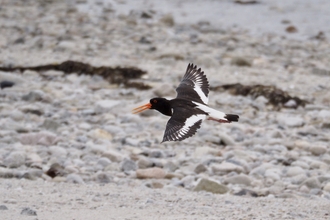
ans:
x=189 y=108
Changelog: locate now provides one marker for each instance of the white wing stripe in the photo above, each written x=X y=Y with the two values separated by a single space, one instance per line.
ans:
x=201 y=94
x=212 y=112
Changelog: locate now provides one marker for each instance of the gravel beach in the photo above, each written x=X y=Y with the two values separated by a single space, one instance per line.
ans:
x=72 y=71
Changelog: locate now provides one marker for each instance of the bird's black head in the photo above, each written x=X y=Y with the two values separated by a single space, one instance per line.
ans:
x=162 y=105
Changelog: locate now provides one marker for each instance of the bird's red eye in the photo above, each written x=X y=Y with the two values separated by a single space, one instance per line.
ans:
x=155 y=101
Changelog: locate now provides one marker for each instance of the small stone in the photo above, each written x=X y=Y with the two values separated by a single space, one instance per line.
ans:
x=170 y=166
x=74 y=178
x=240 y=61
x=6 y=84
x=157 y=185
x=312 y=182
x=200 y=168
x=55 y=170
x=3 y=207
x=113 y=155
x=168 y=20
x=227 y=140
x=42 y=138
x=241 y=179
x=15 y=159
x=294 y=171
x=128 y=165
x=226 y=167
x=317 y=150
x=101 y=134
x=144 y=163
x=291 y=121
x=247 y=193
x=103 y=161
x=34 y=96
x=51 y=125
x=203 y=151
x=327 y=187
x=103 y=178
x=150 y=173
x=211 y=186
x=33 y=109
x=28 y=211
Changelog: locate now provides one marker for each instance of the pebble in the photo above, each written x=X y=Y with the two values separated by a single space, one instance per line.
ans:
x=15 y=159
x=150 y=173
x=211 y=186
x=74 y=178
x=28 y=211
x=240 y=179
x=226 y=167
x=3 y=207
x=128 y=165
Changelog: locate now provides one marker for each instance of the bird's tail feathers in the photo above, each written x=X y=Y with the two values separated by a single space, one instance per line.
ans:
x=231 y=117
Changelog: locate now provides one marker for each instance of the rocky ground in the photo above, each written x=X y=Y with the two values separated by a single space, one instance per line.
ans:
x=69 y=143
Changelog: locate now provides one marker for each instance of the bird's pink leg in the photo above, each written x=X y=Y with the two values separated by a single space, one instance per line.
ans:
x=218 y=120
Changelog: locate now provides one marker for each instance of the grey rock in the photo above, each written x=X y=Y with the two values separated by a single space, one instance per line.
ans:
x=294 y=171
x=42 y=138
x=188 y=181
x=317 y=149
x=327 y=187
x=170 y=166
x=241 y=61
x=156 y=154
x=28 y=211
x=51 y=125
x=74 y=178
x=312 y=182
x=211 y=186
x=144 y=163
x=3 y=207
x=15 y=159
x=34 y=96
x=104 y=178
x=227 y=140
x=55 y=170
x=33 y=109
x=57 y=151
x=33 y=174
x=103 y=161
x=128 y=165
x=226 y=167
x=200 y=168
x=291 y=121
x=241 y=179
x=113 y=155
x=131 y=141
x=150 y=173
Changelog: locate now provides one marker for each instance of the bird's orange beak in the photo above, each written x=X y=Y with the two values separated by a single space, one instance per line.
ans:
x=141 y=108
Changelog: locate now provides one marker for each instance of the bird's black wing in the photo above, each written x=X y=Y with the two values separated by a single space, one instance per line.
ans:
x=180 y=127
x=194 y=86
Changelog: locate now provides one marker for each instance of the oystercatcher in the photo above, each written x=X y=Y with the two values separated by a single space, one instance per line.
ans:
x=189 y=108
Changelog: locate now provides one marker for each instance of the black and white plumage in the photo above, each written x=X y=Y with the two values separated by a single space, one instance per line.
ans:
x=189 y=109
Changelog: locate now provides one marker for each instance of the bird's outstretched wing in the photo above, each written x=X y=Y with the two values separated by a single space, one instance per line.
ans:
x=194 y=86
x=179 y=128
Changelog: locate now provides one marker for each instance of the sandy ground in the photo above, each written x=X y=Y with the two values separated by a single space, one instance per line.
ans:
x=70 y=201
x=52 y=200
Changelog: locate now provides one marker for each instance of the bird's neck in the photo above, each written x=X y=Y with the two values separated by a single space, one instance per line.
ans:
x=166 y=108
